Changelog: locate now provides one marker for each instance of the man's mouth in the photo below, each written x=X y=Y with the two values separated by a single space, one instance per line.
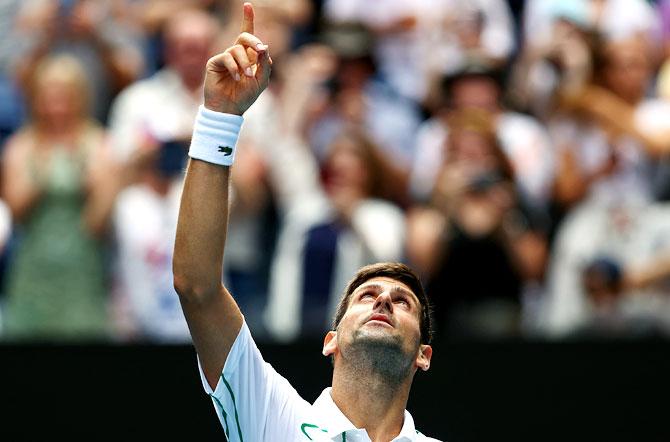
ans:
x=380 y=318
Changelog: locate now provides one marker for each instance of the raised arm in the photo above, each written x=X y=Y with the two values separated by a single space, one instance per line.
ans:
x=234 y=79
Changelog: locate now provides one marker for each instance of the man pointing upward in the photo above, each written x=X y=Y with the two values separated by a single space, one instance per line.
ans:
x=381 y=332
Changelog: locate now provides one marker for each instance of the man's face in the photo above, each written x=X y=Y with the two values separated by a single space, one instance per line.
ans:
x=476 y=92
x=189 y=50
x=627 y=72
x=382 y=313
x=189 y=42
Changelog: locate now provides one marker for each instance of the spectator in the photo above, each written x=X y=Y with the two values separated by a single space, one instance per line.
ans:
x=560 y=58
x=608 y=272
x=613 y=19
x=460 y=33
x=175 y=90
x=417 y=40
x=150 y=17
x=523 y=139
x=476 y=226
x=83 y=29
x=396 y=24
x=362 y=102
x=59 y=183
x=153 y=118
x=557 y=36
x=327 y=233
x=609 y=135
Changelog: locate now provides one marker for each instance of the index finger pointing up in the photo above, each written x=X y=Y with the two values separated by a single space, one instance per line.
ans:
x=248 y=19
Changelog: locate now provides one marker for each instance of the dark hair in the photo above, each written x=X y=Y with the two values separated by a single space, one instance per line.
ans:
x=399 y=272
x=474 y=70
x=373 y=161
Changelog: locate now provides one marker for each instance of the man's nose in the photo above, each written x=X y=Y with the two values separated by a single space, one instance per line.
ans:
x=384 y=302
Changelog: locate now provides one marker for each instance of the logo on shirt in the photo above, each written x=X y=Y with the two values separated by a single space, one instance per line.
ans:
x=226 y=150
x=307 y=428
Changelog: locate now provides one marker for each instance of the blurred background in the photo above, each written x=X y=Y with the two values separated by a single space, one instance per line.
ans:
x=515 y=153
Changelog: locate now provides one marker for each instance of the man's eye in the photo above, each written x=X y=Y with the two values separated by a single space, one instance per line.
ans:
x=402 y=301
x=367 y=295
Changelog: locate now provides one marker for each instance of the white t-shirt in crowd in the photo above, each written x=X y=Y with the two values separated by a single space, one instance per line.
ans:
x=254 y=403
x=159 y=107
x=145 y=227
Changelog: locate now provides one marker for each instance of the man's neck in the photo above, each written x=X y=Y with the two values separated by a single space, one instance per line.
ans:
x=370 y=401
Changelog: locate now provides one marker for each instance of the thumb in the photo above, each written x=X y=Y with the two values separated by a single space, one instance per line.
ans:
x=264 y=69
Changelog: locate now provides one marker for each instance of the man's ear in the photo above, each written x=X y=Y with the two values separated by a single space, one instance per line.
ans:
x=329 y=343
x=423 y=358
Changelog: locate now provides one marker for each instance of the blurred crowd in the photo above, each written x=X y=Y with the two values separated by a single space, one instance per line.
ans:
x=516 y=154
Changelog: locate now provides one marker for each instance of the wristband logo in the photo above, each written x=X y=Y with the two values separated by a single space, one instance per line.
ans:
x=226 y=150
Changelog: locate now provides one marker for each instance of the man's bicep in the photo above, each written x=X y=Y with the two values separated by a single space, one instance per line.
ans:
x=214 y=325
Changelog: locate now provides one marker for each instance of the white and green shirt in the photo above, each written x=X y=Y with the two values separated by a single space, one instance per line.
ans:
x=255 y=404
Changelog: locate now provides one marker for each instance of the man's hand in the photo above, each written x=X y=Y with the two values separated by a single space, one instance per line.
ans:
x=238 y=75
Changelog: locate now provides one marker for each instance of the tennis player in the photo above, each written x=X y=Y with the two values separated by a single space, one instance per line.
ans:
x=381 y=333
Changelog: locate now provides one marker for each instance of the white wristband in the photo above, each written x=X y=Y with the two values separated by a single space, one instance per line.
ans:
x=215 y=136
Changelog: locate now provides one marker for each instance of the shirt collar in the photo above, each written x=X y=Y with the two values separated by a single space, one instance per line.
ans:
x=337 y=422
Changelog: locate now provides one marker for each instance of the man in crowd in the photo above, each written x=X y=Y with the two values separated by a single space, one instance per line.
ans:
x=381 y=332
x=152 y=119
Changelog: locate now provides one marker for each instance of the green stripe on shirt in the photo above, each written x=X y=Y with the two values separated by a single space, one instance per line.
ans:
x=232 y=395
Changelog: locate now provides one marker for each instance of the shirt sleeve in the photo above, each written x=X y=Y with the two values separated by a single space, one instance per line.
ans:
x=253 y=402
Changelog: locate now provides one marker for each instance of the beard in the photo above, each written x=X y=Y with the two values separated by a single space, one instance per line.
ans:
x=379 y=355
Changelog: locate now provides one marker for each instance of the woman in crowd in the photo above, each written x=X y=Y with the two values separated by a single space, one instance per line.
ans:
x=477 y=246
x=329 y=229
x=60 y=186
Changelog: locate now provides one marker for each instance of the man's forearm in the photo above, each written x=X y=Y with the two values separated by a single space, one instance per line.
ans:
x=211 y=313
x=201 y=231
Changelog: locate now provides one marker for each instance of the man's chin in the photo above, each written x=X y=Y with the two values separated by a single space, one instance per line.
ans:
x=378 y=336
